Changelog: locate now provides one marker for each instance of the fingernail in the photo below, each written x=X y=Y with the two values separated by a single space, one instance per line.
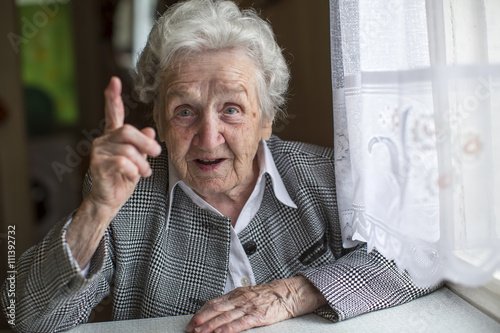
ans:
x=197 y=329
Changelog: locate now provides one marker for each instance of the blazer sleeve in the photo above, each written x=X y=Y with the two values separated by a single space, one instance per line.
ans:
x=361 y=282
x=50 y=292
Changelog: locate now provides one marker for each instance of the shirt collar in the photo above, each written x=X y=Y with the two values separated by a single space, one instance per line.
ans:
x=266 y=165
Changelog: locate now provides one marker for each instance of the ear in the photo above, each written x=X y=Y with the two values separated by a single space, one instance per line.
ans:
x=266 y=128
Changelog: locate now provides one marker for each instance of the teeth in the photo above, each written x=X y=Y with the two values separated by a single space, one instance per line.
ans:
x=209 y=162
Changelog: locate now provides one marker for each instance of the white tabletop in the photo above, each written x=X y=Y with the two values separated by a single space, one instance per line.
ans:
x=441 y=311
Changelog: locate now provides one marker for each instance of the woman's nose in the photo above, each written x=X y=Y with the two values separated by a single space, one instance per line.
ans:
x=209 y=135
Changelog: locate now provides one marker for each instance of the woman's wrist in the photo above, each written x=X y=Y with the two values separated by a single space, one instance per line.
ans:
x=87 y=229
x=307 y=297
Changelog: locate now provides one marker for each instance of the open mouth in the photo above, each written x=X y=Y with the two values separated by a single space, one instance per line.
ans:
x=209 y=162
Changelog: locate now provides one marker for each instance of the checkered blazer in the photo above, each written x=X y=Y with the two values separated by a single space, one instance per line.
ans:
x=166 y=268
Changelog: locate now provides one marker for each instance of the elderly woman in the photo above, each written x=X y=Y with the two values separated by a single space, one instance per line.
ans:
x=224 y=221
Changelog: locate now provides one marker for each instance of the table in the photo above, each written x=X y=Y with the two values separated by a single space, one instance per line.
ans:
x=440 y=311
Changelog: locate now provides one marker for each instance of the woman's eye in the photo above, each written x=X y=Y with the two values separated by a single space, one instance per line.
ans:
x=184 y=113
x=230 y=111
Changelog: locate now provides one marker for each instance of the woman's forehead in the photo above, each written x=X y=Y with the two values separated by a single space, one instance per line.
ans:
x=223 y=72
x=222 y=60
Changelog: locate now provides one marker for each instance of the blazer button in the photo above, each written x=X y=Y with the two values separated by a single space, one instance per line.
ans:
x=250 y=247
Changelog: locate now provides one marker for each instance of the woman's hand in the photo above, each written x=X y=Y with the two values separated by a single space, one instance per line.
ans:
x=118 y=158
x=117 y=162
x=266 y=304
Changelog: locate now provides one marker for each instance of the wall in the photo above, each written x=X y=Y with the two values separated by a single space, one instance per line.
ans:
x=14 y=181
x=303 y=30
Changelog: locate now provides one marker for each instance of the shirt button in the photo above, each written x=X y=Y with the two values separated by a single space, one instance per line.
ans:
x=250 y=247
x=245 y=282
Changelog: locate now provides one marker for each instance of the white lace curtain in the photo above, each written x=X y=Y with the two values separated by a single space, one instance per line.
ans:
x=416 y=95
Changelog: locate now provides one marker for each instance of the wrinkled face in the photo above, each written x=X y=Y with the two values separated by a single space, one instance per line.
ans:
x=211 y=122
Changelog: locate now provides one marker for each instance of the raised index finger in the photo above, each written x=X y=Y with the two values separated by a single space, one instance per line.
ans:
x=113 y=109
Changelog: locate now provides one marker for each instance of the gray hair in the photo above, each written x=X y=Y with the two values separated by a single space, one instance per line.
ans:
x=209 y=25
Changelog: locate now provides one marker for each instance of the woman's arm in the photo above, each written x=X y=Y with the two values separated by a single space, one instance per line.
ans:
x=51 y=292
x=117 y=162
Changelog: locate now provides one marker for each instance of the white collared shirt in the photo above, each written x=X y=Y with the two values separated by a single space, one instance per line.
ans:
x=240 y=271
